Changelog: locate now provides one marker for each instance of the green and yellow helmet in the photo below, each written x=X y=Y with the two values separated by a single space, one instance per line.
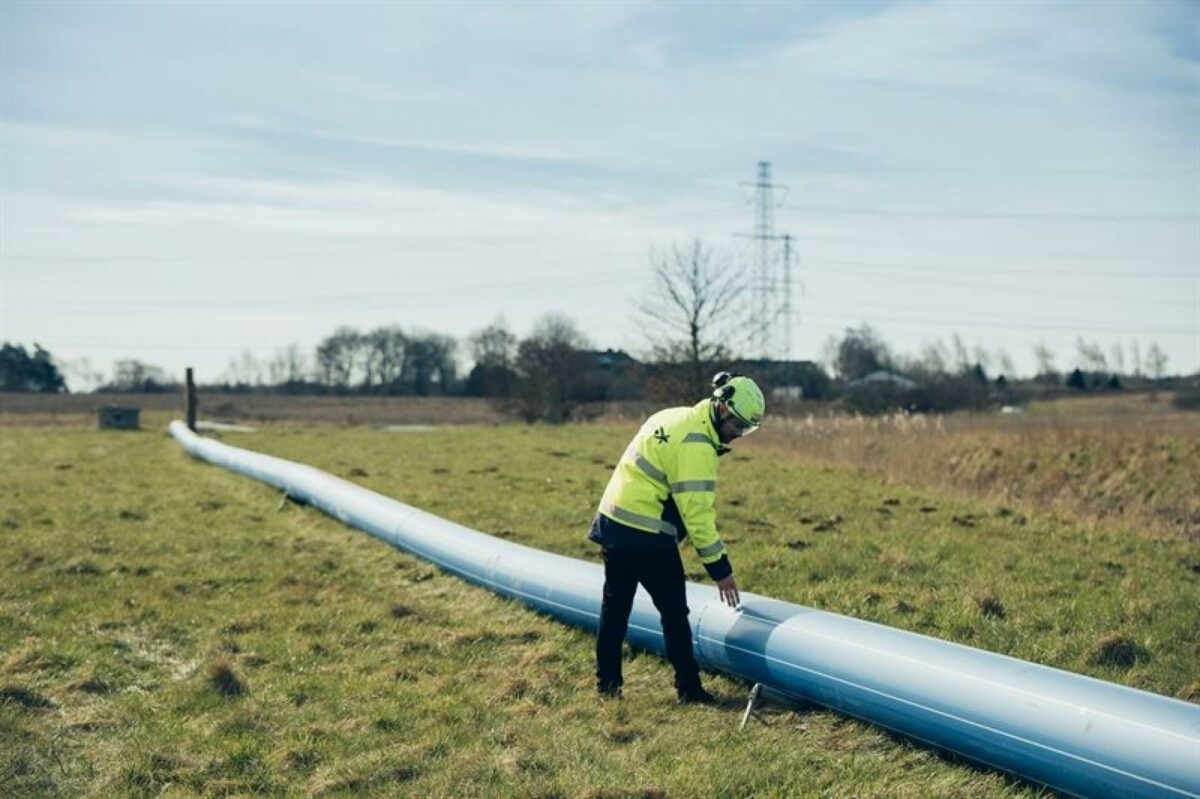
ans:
x=742 y=396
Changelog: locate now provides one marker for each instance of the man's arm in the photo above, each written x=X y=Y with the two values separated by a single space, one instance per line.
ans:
x=693 y=488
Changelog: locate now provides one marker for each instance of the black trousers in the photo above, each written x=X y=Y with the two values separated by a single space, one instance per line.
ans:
x=661 y=573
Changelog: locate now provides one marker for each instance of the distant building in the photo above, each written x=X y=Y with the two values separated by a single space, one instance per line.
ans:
x=881 y=376
x=786 y=380
x=611 y=375
x=616 y=375
x=609 y=360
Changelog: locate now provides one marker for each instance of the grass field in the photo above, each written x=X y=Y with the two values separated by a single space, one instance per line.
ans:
x=167 y=628
x=1133 y=461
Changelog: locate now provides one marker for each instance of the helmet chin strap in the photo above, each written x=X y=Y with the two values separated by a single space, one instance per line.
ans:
x=718 y=420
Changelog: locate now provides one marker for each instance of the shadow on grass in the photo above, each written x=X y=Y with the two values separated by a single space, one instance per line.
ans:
x=773 y=703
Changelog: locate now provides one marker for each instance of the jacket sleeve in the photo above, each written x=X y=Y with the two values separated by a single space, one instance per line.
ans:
x=693 y=488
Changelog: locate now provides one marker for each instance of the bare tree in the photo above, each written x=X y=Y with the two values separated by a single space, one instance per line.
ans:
x=296 y=365
x=829 y=354
x=1156 y=361
x=287 y=367
x=82 y=375
x=690 y=310
x=337 y=357
x=1091 y=356
x=860 y=352
x=1117 y=354
x=1006 y=363
x=494 y=345
x=245 y=370
x=494 y=350
x=962 y=360
x=133 y=375
x=429 y=358
x=1045 y=362
x=551 y=366
x=933 y=358
x=983 y=358
x=384 y=355
x=1135 y=352
x=277 y=368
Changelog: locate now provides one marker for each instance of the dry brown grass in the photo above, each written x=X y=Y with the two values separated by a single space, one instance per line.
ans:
x=1131 y=461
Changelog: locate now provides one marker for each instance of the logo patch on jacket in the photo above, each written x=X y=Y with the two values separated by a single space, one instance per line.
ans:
x=662 y=436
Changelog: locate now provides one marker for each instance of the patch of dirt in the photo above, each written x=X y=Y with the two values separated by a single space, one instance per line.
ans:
x=24 y=698
x=224 y=680
x=828 y=525
x=1118 y=651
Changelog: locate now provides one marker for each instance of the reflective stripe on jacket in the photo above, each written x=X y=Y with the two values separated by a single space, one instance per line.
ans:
x=667 y=478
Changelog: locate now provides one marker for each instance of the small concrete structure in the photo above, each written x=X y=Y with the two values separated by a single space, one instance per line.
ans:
x=116 y=417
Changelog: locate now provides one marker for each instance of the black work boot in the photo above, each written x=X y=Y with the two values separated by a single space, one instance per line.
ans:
x=696 y=696
x=608 y=690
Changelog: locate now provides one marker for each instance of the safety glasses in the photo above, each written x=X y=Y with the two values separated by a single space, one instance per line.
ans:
x=738 y=427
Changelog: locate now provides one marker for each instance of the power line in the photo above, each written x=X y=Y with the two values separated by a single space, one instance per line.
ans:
x=927 y=321
x=1002 y=271
x=441 y=241
x=772 y=311
x=1000 y=215
x=563 y=232
x=891 y=246
x=1069 y=294
x=383 y=298
x=999 y=319
x=347 y=300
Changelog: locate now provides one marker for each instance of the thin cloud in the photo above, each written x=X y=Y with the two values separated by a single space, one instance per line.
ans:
x=396 y=146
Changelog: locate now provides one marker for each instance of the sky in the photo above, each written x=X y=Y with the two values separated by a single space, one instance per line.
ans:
x=182 y=182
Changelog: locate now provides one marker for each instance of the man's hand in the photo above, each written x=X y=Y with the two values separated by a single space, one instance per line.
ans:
x=729 y=592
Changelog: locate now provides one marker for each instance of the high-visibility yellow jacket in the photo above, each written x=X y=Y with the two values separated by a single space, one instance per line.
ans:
x=665 y=484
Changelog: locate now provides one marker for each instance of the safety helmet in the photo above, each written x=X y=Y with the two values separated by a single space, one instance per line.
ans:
x=742 y=396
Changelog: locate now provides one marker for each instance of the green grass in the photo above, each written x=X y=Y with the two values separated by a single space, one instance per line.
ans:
x=166 y=629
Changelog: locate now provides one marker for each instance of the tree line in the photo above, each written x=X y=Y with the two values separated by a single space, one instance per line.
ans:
x=692 y=315
x=548 y=374
x=950 y=376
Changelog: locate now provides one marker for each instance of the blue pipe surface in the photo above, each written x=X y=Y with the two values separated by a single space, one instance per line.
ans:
x=1073 y=733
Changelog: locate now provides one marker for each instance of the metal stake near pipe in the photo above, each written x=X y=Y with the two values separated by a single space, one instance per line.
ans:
x=755 y=693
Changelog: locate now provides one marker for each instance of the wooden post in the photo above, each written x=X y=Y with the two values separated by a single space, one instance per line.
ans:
x=189 y=401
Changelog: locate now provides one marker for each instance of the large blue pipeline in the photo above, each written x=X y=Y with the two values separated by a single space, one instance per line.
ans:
x=1076 y=734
